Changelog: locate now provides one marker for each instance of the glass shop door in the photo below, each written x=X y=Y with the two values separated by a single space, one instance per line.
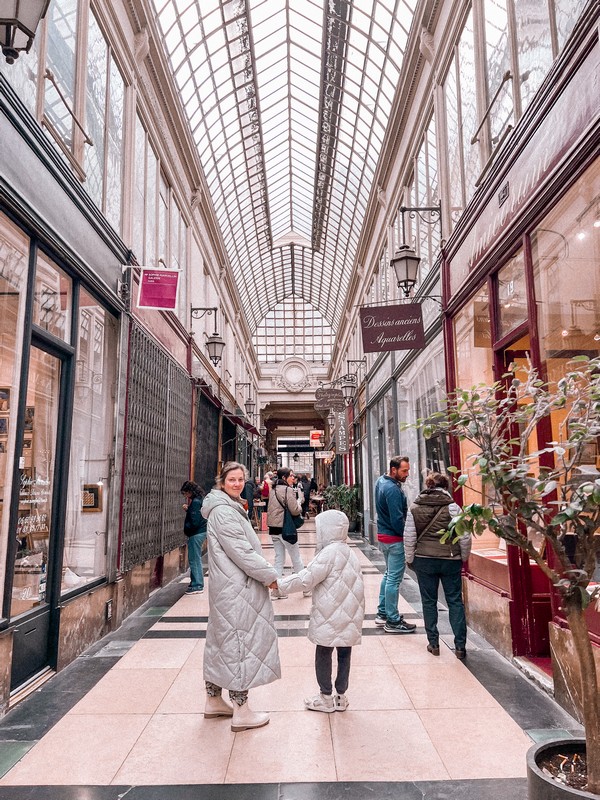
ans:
x=36 y=559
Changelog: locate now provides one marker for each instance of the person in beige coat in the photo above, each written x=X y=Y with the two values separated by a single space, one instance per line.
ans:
x=282 y=496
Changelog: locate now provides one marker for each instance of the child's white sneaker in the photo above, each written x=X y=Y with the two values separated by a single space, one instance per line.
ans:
x=320 y=702
x=341 y=702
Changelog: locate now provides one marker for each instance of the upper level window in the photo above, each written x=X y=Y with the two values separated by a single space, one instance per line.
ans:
x=105 y=106
x=61 y=60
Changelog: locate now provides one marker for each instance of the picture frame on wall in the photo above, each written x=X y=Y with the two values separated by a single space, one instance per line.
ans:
x=91 y=497
x=29 y=416
x=4 y=399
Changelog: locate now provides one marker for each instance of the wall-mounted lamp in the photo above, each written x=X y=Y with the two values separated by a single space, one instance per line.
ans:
x=296 y=457
x=263 y=431
x=250 y=405
x=349 y=385
x=214 y=344
x=405 y=262
x=18 y=22
x=331 y=419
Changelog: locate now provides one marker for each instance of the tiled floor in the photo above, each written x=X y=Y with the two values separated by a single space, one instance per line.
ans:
x=126 y=717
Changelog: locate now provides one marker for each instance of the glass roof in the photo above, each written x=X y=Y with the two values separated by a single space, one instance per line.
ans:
x=288 y=102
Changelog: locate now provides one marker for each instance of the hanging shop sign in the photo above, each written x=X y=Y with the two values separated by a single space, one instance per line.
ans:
x=341 y=432
x=316 y=438
x=329 y=398
x=158 y=289
x=398 y=327
x=325 y=454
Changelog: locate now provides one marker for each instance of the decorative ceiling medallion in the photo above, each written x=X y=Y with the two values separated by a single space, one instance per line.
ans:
x=294 y=375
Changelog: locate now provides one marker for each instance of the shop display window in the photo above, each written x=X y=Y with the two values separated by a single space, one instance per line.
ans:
x=14 y=254
x=86 y=522
x=473 y=356
x=512 y=295
x=566 y=263
x=36 y=488
x=52 y=298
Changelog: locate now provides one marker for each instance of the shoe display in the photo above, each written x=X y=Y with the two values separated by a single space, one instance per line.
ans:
x=462 y=654
x=217 y=707
x=435 y=651
x=320 y=702
x=399 y=627
x=189 y=590
x=341 y=702
x=379 y=620
x=277 y=594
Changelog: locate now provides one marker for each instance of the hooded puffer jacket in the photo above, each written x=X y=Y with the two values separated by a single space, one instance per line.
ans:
x=241 y=640
x=335 y=579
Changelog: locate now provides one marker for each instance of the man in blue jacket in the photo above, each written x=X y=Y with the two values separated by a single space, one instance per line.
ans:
x=391 y=506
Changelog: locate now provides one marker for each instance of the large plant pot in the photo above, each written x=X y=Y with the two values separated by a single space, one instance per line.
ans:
x=544 y=787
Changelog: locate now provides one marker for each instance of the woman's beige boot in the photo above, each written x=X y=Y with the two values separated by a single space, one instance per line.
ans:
x=217 y=707
x=244 y=718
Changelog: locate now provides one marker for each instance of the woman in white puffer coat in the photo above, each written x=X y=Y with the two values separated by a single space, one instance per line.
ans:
x=241 y=640
x=338 y=607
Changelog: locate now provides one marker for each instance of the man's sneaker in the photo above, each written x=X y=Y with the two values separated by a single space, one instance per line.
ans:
x=402 y=626
x=379 y=620
x=320 y=702
x=341 y=702
x=189 y=590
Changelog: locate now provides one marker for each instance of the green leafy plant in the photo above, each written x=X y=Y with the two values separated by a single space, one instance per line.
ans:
x=345 y=498
x=541 y=493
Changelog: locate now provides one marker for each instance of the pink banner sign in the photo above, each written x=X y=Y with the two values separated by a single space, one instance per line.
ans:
x=158 y=289
x=398 y=327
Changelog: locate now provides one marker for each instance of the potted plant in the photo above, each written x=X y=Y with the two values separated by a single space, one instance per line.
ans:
x=545 y=494
x=345 y=498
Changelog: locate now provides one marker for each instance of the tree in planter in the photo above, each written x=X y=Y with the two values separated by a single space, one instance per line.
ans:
x=543 y=493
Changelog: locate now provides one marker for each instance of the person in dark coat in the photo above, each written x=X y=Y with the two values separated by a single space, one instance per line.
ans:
x=194 y=528
x=248 y=495
x=435 y=561
x=304 y=482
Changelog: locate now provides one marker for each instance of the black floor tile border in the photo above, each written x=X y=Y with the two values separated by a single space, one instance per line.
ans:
x=483 y=789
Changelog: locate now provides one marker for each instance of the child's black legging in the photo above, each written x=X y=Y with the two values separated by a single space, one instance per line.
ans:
x=323 y=663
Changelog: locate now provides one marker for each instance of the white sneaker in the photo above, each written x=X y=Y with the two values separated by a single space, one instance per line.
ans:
x=320 y=702
x=380 y=621
x=341 y=702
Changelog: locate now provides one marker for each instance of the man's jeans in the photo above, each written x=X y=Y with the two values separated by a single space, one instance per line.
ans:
x=395 y=563
x=194 y=544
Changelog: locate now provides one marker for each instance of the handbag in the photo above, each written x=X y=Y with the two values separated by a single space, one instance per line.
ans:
x=290 y=523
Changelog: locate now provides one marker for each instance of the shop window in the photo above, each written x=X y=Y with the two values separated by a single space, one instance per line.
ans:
x=61 y=60
x=566 y=261
x=52 y=298
x=474 y=366
x=512 y=295
x=36 y=488
x=86 y=522
x=14 y=255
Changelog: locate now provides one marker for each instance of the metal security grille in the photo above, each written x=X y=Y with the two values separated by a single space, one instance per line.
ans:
x=157 y=452
x=207 y=438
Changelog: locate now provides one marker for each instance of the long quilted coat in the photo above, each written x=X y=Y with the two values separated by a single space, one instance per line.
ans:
x=335 y=579
x=241 y=640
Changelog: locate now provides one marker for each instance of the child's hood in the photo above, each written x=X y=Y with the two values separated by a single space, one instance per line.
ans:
x=332 y=526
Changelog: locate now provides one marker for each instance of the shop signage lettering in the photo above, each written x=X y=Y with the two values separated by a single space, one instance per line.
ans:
x=329 y=398
x=341 y=432
x=32 y=523
x=324 y=454
x=398 y=327
x=158 y=289
x=34 y=491
x=316 y=438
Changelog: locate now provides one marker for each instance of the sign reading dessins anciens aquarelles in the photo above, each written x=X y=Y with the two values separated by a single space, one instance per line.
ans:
x=398 y=327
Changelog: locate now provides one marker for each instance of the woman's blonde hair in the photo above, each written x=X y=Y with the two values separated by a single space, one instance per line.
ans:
x=229 y=466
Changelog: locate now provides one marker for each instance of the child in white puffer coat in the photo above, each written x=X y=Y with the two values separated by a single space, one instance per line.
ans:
x=338 y=607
